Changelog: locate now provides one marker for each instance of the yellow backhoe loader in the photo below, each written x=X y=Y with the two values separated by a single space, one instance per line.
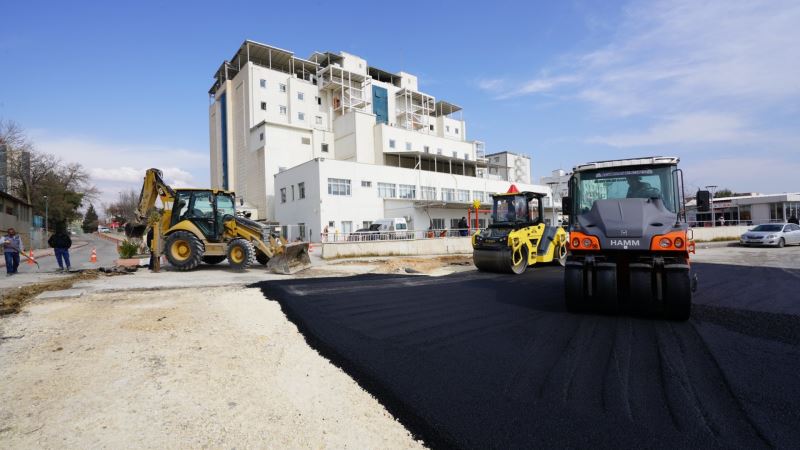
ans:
x=201 y=225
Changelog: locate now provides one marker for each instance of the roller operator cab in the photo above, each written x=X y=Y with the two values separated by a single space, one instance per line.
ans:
x=629 y=242
x=517 y=236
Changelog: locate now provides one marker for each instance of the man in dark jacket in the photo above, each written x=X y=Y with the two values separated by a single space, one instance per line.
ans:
x=61 y=242
x=463 y=228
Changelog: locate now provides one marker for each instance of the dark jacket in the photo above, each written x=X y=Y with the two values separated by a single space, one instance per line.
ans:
x=60 y=240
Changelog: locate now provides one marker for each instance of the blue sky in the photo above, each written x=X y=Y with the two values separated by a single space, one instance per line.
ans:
x=121 y=88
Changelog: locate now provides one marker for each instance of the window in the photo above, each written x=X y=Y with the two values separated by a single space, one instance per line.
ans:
x=479 y=196
x=301 y=116
x=319 y=100
x=463 y=195
x=448 y=195
x=301 y=190
x=338 y=186
x=282 y=110
x=454 y=224
x=481 y=223
x=466 y=156
x=447 y=128
x=292 y=192
x=261 y=136
x=366 y=183
x=283 y=195
x=366 y=224
x=408 y=191
x=456 y=130
x=263 y=106
x=347 y=227
x=427 y=149
x=305 y=140
x=408 y=146
x=301 y=96
x=391 y=143
x=387 y=190
x=263 y=83
x=318 y=120
x=331 y=224
x=324 y=148
x=437 y=224
x=431 y=127
x=455 y=154
x=438 y=151
x=301 y=228
x=427 y=192
x=283 y=87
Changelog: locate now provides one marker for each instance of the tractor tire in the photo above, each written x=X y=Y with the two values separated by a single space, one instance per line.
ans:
x=574 y=287
x=213 y=259
x=241 y=254
x=261 y=257
x=677 y=294
x=183 y=250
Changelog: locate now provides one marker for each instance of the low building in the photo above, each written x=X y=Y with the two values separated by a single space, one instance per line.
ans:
x=747 y=209
x=509 y=166
x=346 y=196
x=18 y=214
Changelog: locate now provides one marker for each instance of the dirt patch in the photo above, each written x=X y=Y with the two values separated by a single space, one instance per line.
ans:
x=188 y=368
x=12 y=300
x=423 y=265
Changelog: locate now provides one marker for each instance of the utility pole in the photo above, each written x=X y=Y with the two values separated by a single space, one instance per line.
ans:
x=712 y=188
x=46 y=204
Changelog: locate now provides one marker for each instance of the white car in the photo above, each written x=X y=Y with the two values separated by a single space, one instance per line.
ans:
x=102 y=229
x=773 y=234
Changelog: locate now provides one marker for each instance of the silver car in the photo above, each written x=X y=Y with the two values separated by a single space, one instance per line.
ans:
x=776 y=234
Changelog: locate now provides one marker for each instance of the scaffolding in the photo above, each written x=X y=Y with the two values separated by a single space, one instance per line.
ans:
x=349 y=90
x=414 y=110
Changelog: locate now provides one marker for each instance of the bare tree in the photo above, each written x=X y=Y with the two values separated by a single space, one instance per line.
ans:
x=124 y=209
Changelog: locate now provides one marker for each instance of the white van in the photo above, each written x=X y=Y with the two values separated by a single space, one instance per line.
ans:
x=395 y=228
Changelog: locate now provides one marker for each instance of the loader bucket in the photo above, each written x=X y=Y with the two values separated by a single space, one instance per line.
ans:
x=290 y=259
x=135 y=230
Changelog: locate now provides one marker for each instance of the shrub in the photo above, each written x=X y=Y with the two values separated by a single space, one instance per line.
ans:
x=128 y=249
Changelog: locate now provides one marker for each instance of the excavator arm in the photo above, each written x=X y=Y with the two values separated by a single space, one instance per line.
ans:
x=153 y=188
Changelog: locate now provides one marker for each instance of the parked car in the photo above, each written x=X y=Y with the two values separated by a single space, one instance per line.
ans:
x=394 y=228
x=366 y=234
x=103 y=229
x=773 y=234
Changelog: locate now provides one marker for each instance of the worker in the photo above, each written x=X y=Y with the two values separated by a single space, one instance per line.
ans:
x=61 y=242
x=149 y=240
x=641 y=189
x=12 y=246
x=511 y=214
x=462 y=226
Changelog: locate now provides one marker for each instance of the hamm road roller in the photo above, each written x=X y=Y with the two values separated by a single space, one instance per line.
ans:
x=517 y=236
x=629 y=242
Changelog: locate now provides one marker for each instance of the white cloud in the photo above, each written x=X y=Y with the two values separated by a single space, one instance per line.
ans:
x=695 y=128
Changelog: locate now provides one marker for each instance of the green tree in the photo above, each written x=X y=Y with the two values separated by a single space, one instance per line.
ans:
x=90 y=220
x=724 y=192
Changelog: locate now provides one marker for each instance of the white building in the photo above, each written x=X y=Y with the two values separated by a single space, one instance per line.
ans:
x=747 y=209
x=509 y=166
x=342 y=133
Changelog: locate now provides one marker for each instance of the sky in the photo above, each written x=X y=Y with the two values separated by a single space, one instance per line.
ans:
x=121 y=87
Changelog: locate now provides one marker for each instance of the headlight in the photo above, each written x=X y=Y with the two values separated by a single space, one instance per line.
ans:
x=576 y=242
x=664 y=242
x=678 y=243
x=587 y=243
x=771 y=236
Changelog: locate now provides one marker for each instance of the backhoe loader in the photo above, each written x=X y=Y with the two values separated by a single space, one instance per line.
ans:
x=201 y=225
x=517 y=236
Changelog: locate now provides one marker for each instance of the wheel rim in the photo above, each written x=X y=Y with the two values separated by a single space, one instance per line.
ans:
x=237 y=255
x=181 y=250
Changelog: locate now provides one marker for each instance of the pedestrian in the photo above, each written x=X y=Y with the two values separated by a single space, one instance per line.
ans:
x=462 y=226
x=61 y=242
x=722 y=221
x=149 y=238
x=12 y=245
x=325 y=234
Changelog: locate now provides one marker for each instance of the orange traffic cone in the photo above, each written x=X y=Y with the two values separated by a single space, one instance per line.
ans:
x=94 y=256
x=310 y=247
x=30 y=257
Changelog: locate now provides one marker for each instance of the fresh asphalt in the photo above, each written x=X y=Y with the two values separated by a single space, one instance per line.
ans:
x=476 y=360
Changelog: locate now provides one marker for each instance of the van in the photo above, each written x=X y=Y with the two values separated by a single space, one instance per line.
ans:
x=394 y=228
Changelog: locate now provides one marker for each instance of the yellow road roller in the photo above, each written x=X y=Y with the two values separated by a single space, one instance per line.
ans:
x=517 y=236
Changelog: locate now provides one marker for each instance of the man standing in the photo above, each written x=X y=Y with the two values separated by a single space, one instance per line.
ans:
x=12 y=245
x=463 y=227
x=61 y=242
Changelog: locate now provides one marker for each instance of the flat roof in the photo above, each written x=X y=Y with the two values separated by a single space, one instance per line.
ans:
x=11 y=197
x=649 y=160
x=263 y=55
x=444 y=108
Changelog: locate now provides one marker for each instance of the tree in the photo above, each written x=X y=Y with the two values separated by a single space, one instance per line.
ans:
x=724 y=192
x=32 y=175
x=90 y=220
x=124 y=209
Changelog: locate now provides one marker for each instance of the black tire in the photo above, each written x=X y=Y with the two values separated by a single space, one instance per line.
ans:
x=606 y=291
x=520 y=267
x=183 y=250
x=261 y=258
x=574 y=288
x=677 y=295
x=213 y=259
x=781 y=243
x=241 y=254
x=641 y=288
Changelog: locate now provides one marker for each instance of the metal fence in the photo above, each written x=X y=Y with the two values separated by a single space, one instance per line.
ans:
x=366 y=236
x=729 y=223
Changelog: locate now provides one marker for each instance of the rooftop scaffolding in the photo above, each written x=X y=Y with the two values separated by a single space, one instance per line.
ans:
x=349 y=89
x=414 y=110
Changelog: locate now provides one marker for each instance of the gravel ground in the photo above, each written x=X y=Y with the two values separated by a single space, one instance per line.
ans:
x=177 y=369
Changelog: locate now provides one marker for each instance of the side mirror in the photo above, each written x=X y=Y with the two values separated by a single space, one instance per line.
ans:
x=566 y=206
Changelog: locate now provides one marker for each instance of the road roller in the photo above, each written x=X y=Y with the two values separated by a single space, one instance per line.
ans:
x=629 y=241
x=517 y=236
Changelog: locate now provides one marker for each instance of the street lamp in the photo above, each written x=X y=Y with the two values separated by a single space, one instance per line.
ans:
x=45 y=213
x=712 y=188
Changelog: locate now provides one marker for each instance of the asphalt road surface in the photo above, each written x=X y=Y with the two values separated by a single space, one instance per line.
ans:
x=80 y=256
x=477 y=360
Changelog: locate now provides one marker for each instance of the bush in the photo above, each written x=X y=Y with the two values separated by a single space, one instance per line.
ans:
x=128 y=249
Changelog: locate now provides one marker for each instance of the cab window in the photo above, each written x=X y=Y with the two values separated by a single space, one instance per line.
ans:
x=202 y=206
x=225 y=205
